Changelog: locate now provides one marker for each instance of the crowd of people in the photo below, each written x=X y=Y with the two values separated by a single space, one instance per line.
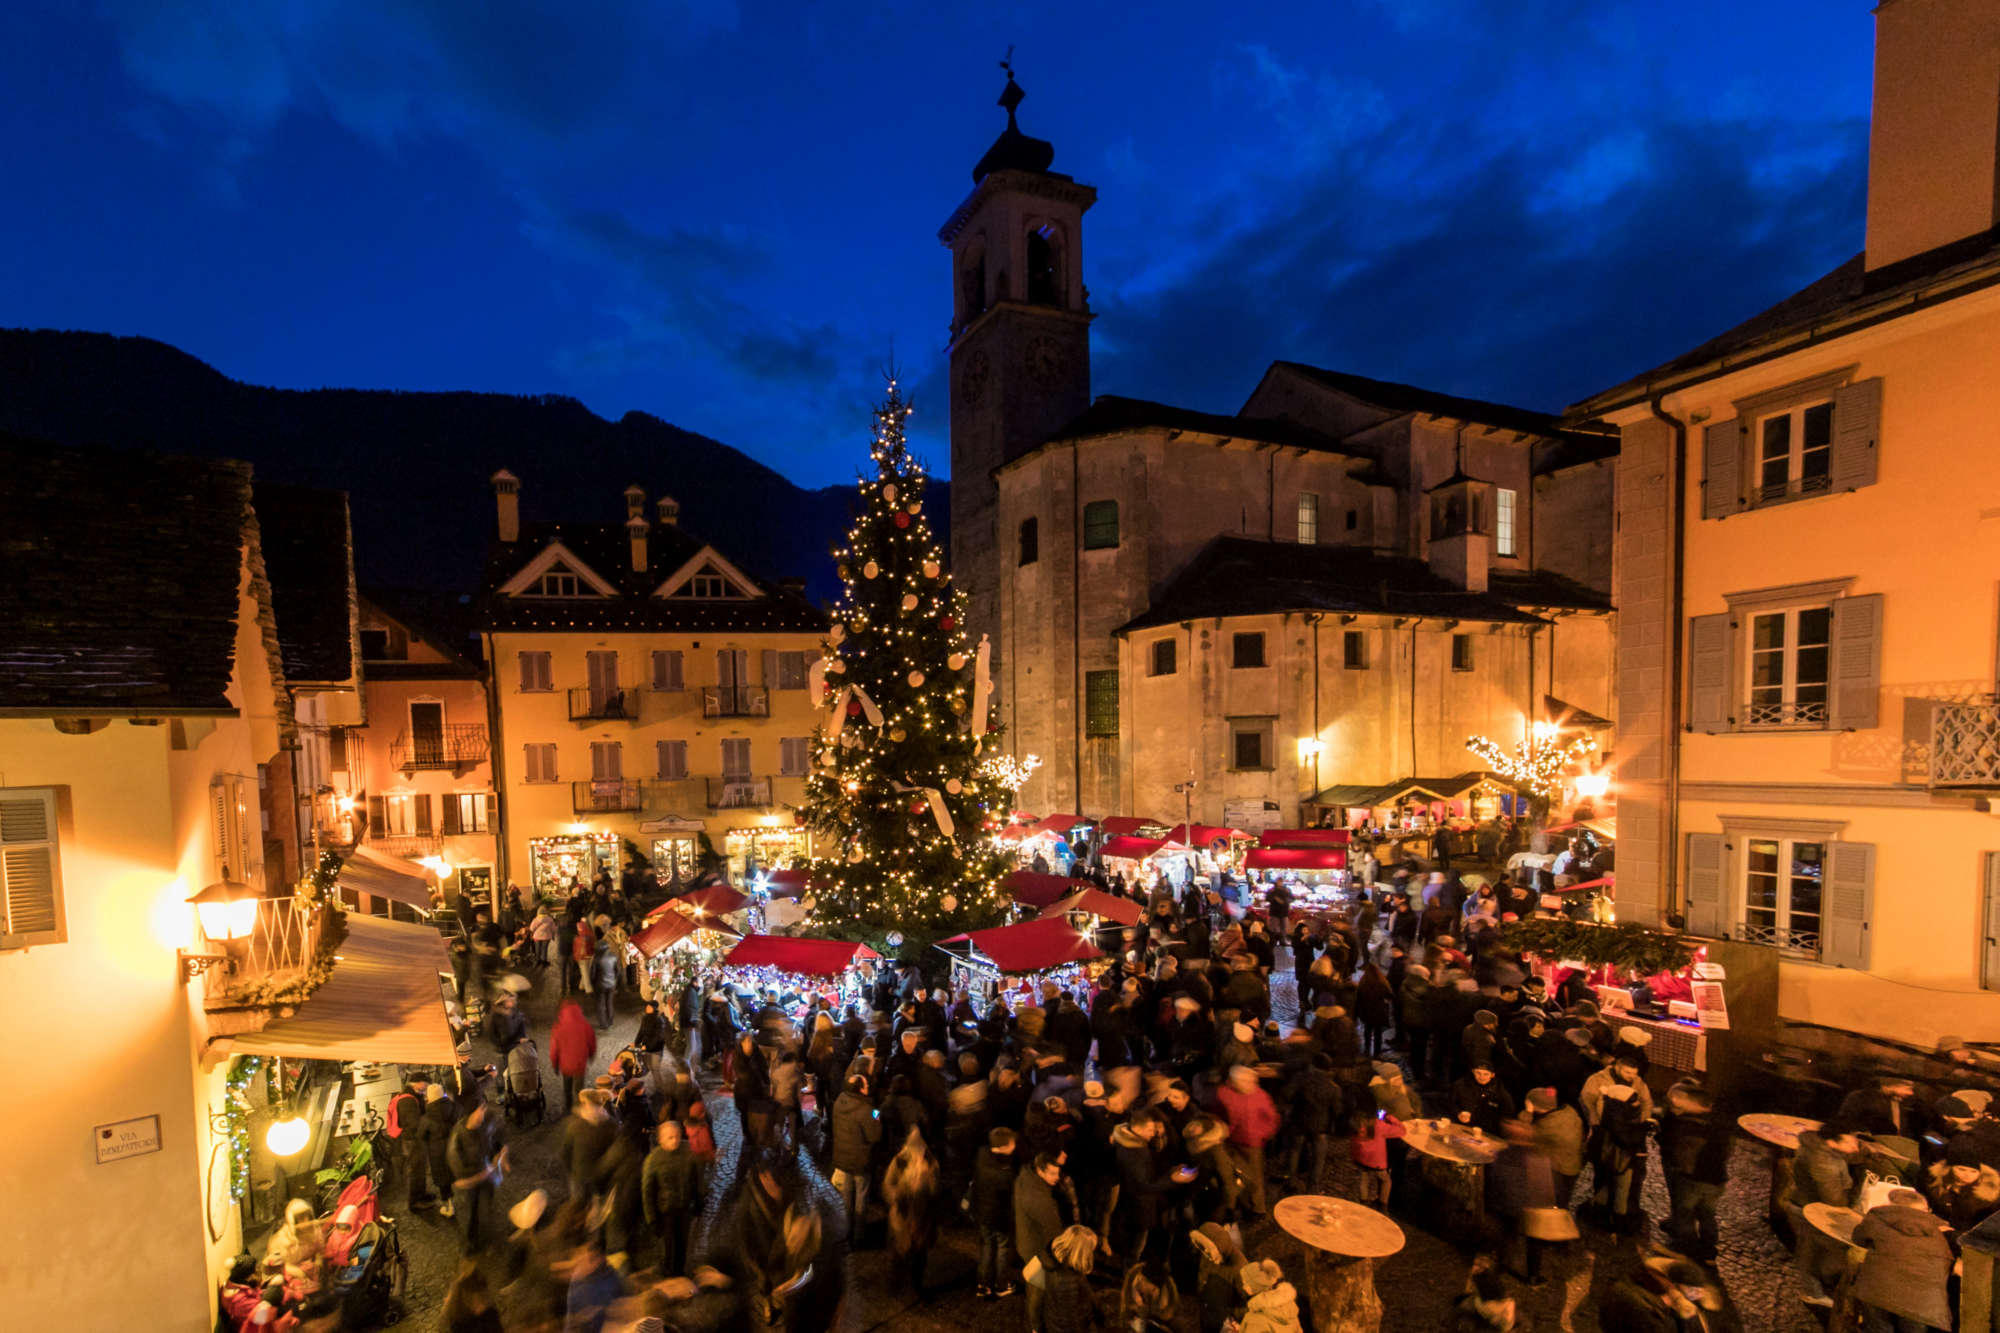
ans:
x=1110 y=1148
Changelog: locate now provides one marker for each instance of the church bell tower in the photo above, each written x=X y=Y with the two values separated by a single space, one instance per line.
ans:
x=1020 y=338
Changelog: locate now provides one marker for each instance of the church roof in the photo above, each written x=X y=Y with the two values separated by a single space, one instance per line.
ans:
x=1013 y=150
x=1114 y=415
x=1410 y=398
x=1239 y=576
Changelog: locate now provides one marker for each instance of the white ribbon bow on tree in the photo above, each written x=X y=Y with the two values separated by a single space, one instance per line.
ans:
x=938 y=810
x=982 y=687
x=840 y=702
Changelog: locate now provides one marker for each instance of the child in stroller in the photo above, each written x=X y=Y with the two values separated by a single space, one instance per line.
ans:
x=523 y=1095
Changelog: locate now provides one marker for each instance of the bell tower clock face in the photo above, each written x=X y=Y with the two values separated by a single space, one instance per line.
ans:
x=972 y=380
x=1046 y=360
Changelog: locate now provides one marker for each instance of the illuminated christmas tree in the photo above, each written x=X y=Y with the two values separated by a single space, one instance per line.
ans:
x=1537 y=764
x=902 y=797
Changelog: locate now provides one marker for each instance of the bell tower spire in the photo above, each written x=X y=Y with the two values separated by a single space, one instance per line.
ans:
x=1020 y=337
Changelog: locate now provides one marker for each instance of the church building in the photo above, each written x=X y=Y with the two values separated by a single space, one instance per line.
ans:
x=1325 y=593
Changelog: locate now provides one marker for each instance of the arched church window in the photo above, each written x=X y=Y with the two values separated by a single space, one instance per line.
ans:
x=1045 y=264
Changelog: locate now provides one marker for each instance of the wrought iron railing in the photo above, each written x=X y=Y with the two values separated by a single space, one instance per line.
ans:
x=1778 y=492
x=460 y=745
x=282 y=947
x=1785 y=715
x=409 y=846
x=1776 y=937
x=738 y=793
x=590 y=704
x=735 y=701
x=1965 y=744
x=606 y=796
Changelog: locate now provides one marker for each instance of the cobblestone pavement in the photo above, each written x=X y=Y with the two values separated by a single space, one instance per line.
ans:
x=1418 y=1286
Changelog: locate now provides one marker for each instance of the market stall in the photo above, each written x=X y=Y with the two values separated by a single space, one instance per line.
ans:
x=1010 y=962
x=1660 y=986
x=1312 y=861
x=1050 y=838
x=1128 y=854
x=1032 y=889
x=674 y=949
x=785 y=897
x=1097 y=906
x=836 y=970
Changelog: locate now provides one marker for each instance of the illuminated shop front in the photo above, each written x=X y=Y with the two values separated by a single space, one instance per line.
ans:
x=764 y=848
x=565 y=862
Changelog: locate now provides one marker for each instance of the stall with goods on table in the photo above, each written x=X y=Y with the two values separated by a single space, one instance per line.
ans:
x=1313 y=862
x=1010 y=962
x=675 y=948
x=835 y=970
x=1201 y=849
x=1658 y=990
x=1050 y=838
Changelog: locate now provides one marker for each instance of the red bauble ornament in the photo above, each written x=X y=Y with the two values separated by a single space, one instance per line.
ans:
x=854 y=708
x=918 y=807
x=947 y=622
x=902 y=520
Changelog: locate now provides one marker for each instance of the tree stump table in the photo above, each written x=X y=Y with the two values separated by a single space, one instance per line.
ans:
x=1779 y=1133
x=1343 y=1240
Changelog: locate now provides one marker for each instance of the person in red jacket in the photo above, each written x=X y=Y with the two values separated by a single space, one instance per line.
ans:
x=572 y=1046
x=1253 y=1119
x=1370 y=1149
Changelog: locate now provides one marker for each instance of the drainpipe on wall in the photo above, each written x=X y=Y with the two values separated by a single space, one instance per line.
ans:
x=1671 y=892
x=1315 y=618
x=503 y=863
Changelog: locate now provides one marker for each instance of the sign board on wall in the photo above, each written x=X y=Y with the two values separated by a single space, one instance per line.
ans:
x=127 y=1138
x=1252 y=816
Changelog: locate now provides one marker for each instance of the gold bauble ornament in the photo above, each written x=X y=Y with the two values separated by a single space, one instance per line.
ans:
x=870 y=570
x=954 y=786
x=898 y=734
x=916 y=679
x=956 y=661
x=958 y=706
x=932 y=569
x=889 y=492
x=909 y=601
x=854 y=856
x=950 y=903
x=914 y=507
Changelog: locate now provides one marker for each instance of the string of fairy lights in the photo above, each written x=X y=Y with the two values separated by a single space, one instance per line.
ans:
x=236 y=1121
x=902 y=786
x=1537 y=763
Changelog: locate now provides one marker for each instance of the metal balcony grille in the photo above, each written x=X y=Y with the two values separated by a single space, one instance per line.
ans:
x=604 y=797
x=587 y=704
x=738 y=793
x=460 y=745
x=283 y=945
x=1791 y=941
x=1965 y=744
x=1779 y=492
x=1784 y=715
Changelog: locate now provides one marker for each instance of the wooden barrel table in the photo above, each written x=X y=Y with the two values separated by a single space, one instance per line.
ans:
x=1343 y=1240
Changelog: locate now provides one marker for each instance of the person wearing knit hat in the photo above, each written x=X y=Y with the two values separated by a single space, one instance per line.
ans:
x=1271 y=1304
x=1964 y=1189
x=1221 y=1260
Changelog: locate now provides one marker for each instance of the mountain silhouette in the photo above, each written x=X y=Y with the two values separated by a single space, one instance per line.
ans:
x=415 y=465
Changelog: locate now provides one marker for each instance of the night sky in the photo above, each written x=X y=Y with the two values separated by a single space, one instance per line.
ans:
x=726 y=215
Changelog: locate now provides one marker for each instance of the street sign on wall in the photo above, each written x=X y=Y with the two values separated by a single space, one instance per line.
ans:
x=127 y=1138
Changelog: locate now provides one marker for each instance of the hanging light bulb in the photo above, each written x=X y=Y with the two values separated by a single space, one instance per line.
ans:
x=287 y=1136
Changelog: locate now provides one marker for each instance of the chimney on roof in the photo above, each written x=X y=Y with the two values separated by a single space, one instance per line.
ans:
x=1934 y=136
x=507 y=499
x=635 y=528
x=635 y=502
x=670 y=511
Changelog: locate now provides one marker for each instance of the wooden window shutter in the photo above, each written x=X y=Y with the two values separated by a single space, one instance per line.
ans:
x=449 y=823
x=422 y=802
x=1857 y=422
x=1722 y=467
x=1850 y=904
x=31 y=911
x=218 y=827
x=492 y=809
x=1855 y=662
x=378 y=816
x=1989 y=972
x=1711 y=672
x=1705 y=861
x=770 y=669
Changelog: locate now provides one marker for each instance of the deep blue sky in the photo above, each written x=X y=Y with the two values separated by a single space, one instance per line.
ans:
x=726 y=214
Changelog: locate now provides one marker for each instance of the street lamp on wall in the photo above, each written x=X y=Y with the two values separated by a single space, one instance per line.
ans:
x=227 y=910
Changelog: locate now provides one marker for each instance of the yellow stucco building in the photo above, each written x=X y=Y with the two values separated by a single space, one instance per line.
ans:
x=644 y=689
x=1808 y=560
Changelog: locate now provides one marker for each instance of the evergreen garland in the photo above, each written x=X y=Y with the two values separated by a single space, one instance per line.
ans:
x=1632 y=949
x=236 y=1118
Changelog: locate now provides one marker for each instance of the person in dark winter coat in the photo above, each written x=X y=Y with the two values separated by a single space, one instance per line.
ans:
x=1617 y=1152
x=1316 y=1104
x=1659 y=1297
x=1143 y=1181
x=672 y=1192
x=1963 y=1190
x=1068 y=1305
x=1823 y=1172
x=588 y=1132
x=1038 y=1220
x=1481 y=1100
x=1909 y=1264
x=1694 y=1154
x=440 y=1115
x=1889 y=1108
x=993 y=1174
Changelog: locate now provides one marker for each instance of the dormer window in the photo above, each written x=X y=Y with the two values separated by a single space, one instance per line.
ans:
x=707 y=584
x=557 y=583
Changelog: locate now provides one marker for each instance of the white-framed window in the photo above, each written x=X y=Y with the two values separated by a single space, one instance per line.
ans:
x=1784 y=892
x=791 y=671
x=31 y=901
x=667 y=670
x=236 y=829
x=465 y=812
x=1504 y=539
x=1308 y=518
x=1794 y=452
x=707 y=584
x=673 y=760
x=556 y=583
x=1789 y=660
x=540 y=763
x=535 y=673
x=399 y=814
x=792 y=756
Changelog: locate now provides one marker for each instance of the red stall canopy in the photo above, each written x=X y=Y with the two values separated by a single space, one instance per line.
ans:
x=1201 y=835
x=1058 y=825
x=1032 y=946
x=1296 y=858
x=787 y=883
x=1099 y=903
x=815 y=958
x=663 y=931
x=1302 y=837
x=1037 y=890
x=1133 y=849
x=715 y=900
x=1125 y=826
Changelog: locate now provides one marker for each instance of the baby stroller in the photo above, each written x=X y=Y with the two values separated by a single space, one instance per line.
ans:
x=364 y=1260
x=523 y=1095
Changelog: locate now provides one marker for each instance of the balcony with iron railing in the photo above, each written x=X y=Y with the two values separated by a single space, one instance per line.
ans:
x=735 y=701
x=280 y=951
x=730 y=792
x=1965 y=744
x=1775 y=713
x=606 y=796
x=409 y=846
x=1787 y=939
x=458 y=746
x=589 y=703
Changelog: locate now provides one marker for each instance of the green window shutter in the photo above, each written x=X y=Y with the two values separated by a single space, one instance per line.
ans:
x=378 y=816
x=1100 y=690
x=1857 y=423
x=1856 y=662
x=1850 y=904
x=31 y=908
x=1706 y=857
x=770 y=669
x=422 y=802
x=1711 y=673
x=1989 y=971
x=1722 y=467
x=450 y=822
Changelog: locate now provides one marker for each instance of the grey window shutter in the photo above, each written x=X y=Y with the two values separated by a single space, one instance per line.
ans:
x=770 y=669
x=1856 y=662
x=449 y=824
x=1705 y=885
x=1721 y=468
x=1711 y=672
x=1857 y=422
x=1989 y=975
x=422 y=801
x=378 y=817
x=1850 y=904
x=31 y=911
